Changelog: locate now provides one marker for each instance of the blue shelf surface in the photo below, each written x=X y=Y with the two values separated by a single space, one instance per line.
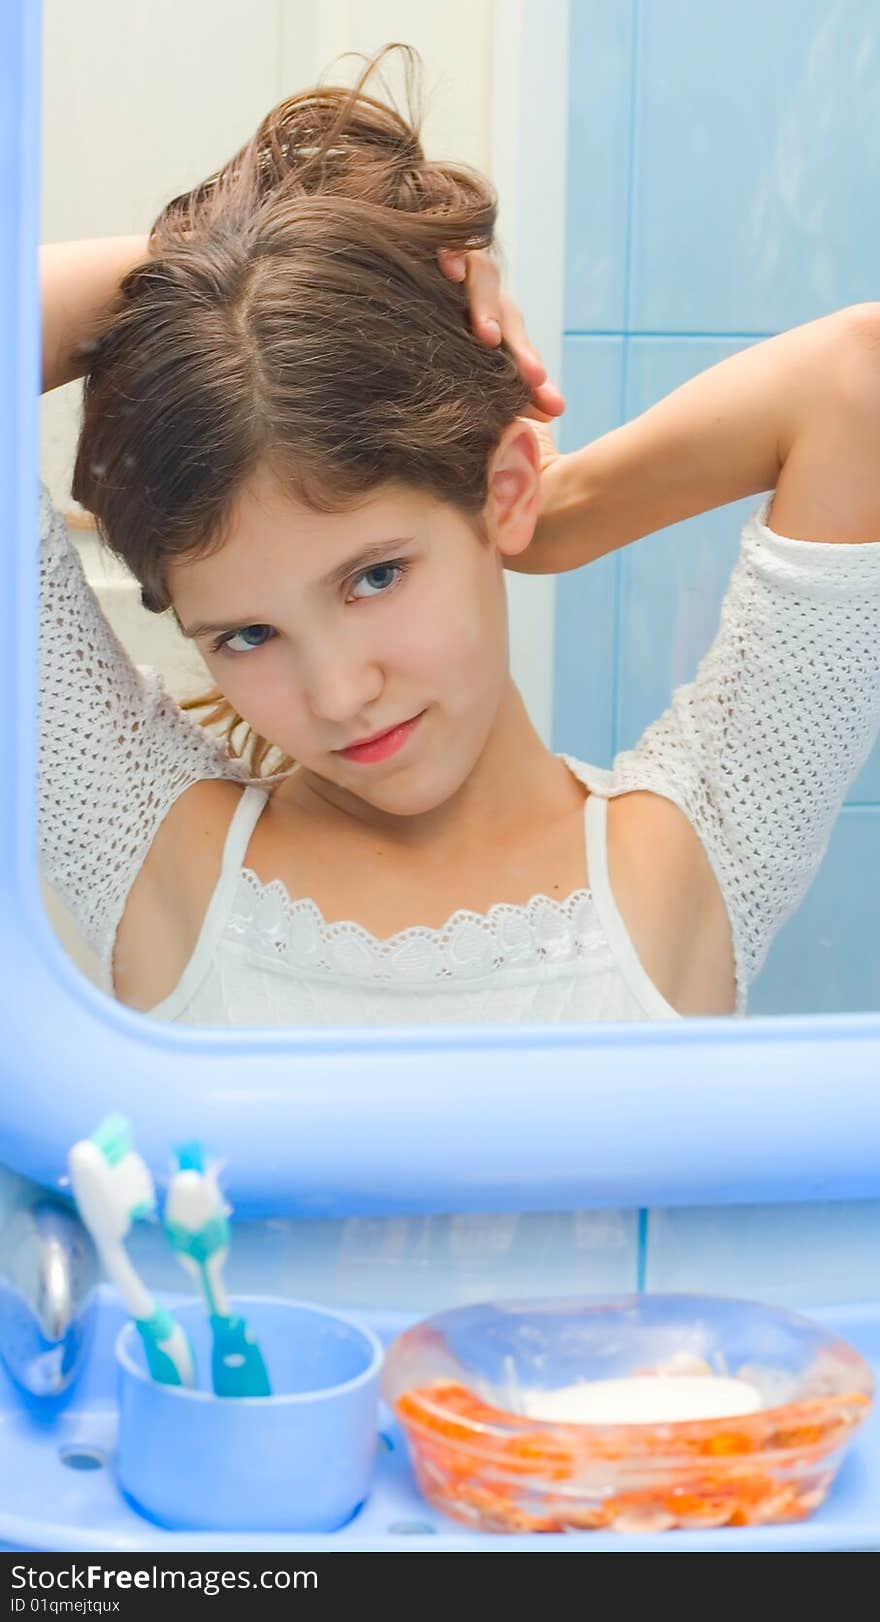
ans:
x=46 y=1505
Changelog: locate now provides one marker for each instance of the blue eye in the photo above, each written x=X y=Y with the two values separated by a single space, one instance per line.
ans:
x=396 y=569
x=383 y=586
x=228 y=638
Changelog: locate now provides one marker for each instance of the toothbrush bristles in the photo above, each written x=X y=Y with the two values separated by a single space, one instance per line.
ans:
x=190 y=1156
x=114 y=1138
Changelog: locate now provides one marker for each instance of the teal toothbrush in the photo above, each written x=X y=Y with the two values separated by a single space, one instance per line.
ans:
x=197 y=1225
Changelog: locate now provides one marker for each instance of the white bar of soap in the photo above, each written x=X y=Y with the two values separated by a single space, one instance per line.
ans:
x=643 y=1399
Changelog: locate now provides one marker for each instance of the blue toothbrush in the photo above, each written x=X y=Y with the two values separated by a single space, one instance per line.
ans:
x=197 y=1225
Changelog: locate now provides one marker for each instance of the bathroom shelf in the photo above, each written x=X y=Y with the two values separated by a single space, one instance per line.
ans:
x=45 y=1504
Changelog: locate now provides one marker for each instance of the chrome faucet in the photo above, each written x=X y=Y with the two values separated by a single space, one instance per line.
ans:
x=48 y=1277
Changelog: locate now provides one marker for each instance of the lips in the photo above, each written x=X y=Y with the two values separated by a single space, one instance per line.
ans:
x=382 y=744
x=375 y=736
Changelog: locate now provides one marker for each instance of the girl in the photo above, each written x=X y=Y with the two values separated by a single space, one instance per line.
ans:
x=294 y=442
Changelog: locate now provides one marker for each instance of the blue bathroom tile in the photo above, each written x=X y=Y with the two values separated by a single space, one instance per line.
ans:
x=671 y=588
x=600 y=101
x=672 y=581
x=825 y=959
x=584 y=642
x=593 y=384
x=419 y=1264
x=427 y=1263
x=799 y=1255
x=642 y=644
x=632 y=627
x=254 y=1266
x=866 y=788
x=756 y=155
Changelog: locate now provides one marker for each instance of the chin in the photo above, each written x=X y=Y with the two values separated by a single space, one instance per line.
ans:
x=415 y=799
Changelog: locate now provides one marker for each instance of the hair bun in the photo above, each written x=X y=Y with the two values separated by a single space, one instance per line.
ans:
x=328 y=142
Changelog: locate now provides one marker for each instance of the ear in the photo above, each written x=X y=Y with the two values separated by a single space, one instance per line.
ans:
x=513 y=489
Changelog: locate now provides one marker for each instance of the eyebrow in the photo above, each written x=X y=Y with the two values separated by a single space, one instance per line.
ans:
x=376 y=553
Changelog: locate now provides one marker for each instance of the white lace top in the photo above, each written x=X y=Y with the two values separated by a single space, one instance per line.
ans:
x=757 y=751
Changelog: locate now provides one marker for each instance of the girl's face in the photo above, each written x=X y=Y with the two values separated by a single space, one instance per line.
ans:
x=327 y=628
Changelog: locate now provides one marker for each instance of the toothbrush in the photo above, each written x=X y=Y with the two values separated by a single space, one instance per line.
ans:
x=113 y=1188
x=197 y=1225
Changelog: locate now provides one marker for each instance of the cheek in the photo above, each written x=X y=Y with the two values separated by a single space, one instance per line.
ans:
x=266 y=702
x=456 y=631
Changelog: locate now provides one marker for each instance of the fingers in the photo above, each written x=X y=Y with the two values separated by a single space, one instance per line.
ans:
x=452 y=263
x=484 y=298
x=514 y=330
x=495 y=317
x=546 y=404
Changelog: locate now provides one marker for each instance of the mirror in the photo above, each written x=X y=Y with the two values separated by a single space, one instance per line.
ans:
x=468 y=880
x=75 y=1043
x=365 y=891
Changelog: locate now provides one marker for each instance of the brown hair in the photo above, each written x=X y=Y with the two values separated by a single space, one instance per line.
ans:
x=292 y=313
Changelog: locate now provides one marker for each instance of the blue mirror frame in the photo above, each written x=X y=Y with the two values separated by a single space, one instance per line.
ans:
x=330 y=1123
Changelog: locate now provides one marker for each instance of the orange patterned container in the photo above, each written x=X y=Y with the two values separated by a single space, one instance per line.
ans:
x=457 y=1381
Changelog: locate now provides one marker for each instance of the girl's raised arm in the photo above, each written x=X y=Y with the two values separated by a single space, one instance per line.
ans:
x=759 y=749
x=721 y=436
x=78 y=281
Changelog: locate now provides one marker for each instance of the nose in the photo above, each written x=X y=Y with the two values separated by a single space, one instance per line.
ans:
x=341 y=684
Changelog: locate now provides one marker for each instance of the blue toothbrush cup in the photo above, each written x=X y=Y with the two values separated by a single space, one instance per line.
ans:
x=298 y=1460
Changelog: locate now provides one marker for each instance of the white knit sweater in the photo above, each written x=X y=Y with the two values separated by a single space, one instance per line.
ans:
x=757 y=751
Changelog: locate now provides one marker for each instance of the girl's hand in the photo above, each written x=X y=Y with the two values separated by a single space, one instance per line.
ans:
x=495 y=317
x=548 y=454
x=560 y=517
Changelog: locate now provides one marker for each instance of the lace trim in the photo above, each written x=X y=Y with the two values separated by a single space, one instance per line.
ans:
x=294 y=933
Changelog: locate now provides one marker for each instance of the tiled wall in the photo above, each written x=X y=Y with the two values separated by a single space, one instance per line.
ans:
x=417 y=1264
x=721 y=159
x=422 y=1264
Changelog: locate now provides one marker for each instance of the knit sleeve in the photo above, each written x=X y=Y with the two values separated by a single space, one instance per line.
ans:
x=759 y=750
x=114 y=749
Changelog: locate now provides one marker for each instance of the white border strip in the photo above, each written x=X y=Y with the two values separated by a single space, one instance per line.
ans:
x=529 y=150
